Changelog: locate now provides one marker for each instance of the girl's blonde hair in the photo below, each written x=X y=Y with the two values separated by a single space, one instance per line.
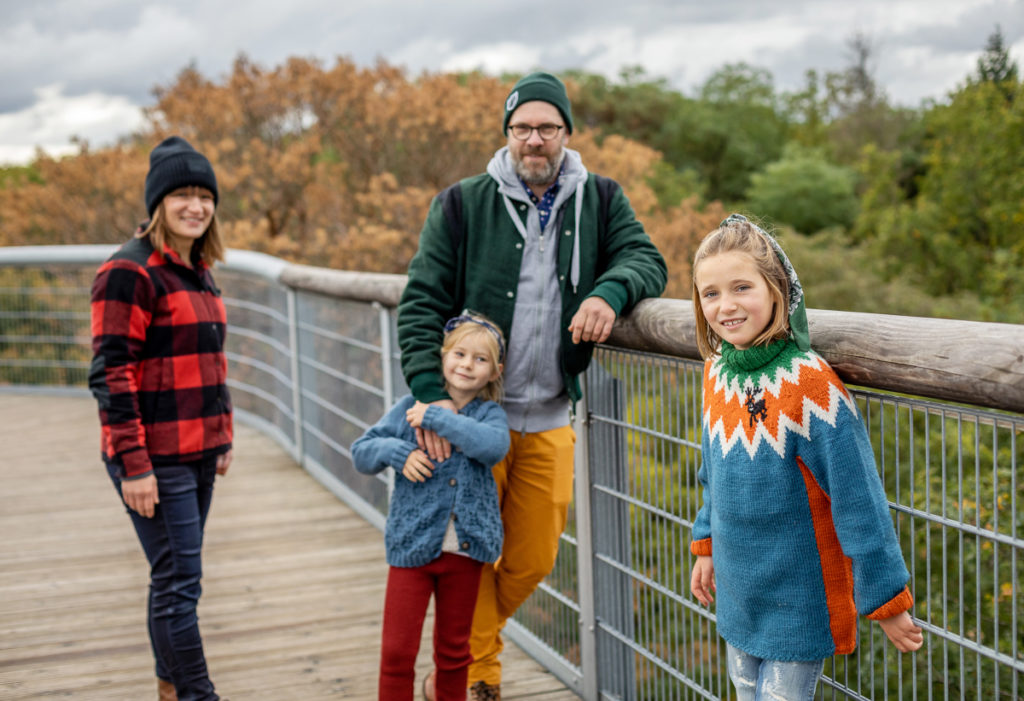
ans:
x=743 y=237
x=210 y=244
x=467 y=325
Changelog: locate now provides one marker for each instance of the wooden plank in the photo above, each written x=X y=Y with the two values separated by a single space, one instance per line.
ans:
x=292 y=588
x=963 y=361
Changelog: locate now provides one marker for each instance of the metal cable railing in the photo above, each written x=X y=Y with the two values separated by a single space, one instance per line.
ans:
x=313 y=362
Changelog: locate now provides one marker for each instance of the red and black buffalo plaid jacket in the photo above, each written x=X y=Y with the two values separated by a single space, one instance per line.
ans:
x=158 y=369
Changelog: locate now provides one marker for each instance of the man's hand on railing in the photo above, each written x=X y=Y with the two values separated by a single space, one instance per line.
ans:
x=437 y=447
x=593 y=321
x=902 y=632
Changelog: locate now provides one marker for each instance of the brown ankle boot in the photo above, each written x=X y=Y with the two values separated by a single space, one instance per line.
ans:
x=481 y=691
x=165 y=690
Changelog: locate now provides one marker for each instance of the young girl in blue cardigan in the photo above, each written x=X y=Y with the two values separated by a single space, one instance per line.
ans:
x=794 y=534
x=444 y=520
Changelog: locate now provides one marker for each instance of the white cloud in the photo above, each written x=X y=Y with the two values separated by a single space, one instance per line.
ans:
x=54 y=119
x=494 y=58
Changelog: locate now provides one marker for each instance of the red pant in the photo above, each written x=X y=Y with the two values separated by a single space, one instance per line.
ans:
x=454 y=581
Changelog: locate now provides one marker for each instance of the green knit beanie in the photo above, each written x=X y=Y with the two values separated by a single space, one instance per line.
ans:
x=538 y=86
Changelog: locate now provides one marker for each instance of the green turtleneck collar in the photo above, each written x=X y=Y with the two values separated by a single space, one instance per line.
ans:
x=753 y=358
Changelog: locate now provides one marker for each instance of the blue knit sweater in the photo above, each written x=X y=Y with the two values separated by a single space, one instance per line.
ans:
x=461 y=485
x=794 y=515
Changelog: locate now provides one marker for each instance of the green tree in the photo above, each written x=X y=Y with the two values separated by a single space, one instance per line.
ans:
x=995 y=64
x=805 y=190
x=965 y=229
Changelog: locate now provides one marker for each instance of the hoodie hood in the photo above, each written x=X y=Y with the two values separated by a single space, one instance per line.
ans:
x=503 y=171
x=571 y=181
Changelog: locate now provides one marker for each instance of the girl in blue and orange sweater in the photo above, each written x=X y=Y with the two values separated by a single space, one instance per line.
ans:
x=794 y=535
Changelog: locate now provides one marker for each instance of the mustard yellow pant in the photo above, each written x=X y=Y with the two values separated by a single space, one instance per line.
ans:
x=534 y=489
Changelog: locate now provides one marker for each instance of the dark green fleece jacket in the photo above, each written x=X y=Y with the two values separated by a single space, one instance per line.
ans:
x=618 y=262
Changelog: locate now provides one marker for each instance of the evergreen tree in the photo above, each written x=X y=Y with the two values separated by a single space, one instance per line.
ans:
x=995 y=65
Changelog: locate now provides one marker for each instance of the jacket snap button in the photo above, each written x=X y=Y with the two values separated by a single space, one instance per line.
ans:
x=465 y=545
x=451 y=482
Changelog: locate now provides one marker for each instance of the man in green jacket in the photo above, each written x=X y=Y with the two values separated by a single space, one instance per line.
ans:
x=553 y=255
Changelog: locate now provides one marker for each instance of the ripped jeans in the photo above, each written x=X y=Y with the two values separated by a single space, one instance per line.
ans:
x=757 y=679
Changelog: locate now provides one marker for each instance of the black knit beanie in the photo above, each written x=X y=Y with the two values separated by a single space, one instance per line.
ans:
x=173 y=164
x=538 y=86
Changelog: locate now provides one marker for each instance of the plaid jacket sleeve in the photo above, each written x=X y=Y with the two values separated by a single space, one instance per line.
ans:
x=123 y=298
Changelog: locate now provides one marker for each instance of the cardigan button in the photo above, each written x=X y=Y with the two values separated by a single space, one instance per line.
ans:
x=510 y=294
x=519 y=245
x=522 y=208
x=568 y=232
x=465 y=545
x=451 y=482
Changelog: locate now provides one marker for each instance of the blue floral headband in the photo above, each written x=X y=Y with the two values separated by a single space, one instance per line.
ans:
x=467 y=317
x=797 y=309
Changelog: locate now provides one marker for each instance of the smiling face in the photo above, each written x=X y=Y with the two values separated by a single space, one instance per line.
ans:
x=734 y=297
x=188 y=212
x=537 y=161
x=468 y=366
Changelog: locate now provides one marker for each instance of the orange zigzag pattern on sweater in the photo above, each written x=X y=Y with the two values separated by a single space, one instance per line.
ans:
x=808 y=388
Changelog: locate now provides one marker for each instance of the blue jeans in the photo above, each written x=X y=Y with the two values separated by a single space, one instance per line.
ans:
x=756 y=679
x=173 y=541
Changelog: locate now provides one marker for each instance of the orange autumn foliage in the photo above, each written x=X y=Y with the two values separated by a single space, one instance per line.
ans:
x=323 y=165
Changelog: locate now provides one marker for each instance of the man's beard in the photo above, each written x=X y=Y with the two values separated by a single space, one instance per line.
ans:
x=545 y=175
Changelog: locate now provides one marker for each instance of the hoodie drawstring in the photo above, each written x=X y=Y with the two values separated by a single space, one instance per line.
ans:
x=574 y=267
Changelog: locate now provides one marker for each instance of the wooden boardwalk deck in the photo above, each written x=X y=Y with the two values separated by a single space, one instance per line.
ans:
x=292 y=588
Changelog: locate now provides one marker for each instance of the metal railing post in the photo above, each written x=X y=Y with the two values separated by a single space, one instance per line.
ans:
x=387 y=383
x=293 y=345
x=585 y=552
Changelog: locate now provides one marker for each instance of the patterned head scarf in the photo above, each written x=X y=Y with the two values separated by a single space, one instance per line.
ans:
x=797 y=310
x=471 y=317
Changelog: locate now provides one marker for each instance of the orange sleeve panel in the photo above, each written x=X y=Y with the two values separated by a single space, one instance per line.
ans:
x=701 y=547
x=836 y=569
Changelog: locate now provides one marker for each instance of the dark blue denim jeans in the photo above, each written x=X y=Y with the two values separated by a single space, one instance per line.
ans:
x=173 y=541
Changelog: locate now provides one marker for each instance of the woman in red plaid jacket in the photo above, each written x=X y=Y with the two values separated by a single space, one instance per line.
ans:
x=159 y=375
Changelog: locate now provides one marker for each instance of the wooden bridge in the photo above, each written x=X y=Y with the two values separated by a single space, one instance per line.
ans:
x=292 y=589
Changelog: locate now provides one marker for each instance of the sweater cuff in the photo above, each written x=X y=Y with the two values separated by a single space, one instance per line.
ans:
x=701 y=548
x=904 y=601
x=136 y=464
x=428 y=387
x=400 y=455
x=614 y=293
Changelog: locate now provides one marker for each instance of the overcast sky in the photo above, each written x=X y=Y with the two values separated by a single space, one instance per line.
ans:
x=86 y=67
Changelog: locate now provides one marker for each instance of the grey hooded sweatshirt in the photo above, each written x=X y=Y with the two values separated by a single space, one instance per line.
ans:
x=535 y=396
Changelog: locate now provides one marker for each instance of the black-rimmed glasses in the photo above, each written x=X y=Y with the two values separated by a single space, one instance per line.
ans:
x=522 y=132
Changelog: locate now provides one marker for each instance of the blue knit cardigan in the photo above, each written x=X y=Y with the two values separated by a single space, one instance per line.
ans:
x=794 y=515
x=461 y=485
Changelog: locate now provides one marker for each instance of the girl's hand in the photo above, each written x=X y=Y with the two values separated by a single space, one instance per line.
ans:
x=418 y=467
x=415 y=415
x=224 y=462
x=436 y=446
x=141 y=495
x=702 y=581
x=902 y=632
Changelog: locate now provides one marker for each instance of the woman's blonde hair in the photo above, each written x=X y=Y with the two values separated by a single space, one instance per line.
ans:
x=210 y=244
x=743 y=237
x=470 y=324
